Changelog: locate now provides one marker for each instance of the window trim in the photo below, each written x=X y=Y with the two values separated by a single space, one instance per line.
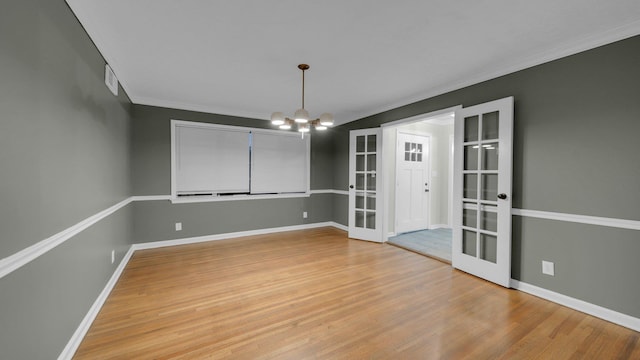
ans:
x=174 y=198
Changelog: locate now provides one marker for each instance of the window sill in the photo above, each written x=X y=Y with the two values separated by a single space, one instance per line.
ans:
x=208 y=198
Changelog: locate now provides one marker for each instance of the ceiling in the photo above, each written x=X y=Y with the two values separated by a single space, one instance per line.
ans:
x=240 y=57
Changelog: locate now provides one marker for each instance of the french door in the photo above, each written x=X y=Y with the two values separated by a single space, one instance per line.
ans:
x=482 y=190
x=365 y=184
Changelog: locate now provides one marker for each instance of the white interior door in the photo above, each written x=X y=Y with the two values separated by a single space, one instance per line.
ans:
x=482 y=190
x=365 y=184
x=412 y=182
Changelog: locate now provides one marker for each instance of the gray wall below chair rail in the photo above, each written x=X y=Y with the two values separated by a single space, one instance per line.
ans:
x=596 y=264
x=155 y=220
x=341 y=209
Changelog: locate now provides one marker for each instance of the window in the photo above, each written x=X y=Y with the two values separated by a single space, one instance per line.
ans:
x=412 y=152
x=276 y=163
x=215 y=162
x=211 y=160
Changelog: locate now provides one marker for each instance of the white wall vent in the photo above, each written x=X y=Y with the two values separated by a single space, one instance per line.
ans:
x=110 y=79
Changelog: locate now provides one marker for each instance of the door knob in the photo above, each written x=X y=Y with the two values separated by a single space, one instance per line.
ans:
x=502 y=196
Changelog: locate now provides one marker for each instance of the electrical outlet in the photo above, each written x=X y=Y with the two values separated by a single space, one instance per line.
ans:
x=178 y=226
x=304 y=215
x=113 y=256
x=548 y=268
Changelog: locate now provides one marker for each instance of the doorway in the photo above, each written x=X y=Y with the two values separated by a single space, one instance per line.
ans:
x=413 y=176
x=418 y=158
x=481 y=183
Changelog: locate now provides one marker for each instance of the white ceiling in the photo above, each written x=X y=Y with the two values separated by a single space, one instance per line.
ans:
x=240 y=57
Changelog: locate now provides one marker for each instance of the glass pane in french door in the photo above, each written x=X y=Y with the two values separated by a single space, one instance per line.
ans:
x=490 y=126
x=480 y=183
x=365 y=209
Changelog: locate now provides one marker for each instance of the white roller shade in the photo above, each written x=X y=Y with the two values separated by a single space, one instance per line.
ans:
x=211 y=160
x=279 y=163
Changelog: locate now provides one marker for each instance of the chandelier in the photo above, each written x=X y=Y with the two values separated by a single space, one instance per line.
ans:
x=301 y=116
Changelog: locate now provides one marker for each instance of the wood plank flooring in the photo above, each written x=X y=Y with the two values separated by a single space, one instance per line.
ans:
x=315 y=294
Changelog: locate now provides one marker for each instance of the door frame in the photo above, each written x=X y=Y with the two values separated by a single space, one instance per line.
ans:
x=429 y=149
x=386 y=187
x=452 y=145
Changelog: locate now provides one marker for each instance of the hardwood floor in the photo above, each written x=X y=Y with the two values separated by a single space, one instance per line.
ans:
x=315 y=294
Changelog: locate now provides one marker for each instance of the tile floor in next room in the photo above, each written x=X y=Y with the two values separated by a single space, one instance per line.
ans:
x=435 y=243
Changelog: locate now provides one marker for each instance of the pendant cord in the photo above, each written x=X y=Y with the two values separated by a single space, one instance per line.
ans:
x=303 y=89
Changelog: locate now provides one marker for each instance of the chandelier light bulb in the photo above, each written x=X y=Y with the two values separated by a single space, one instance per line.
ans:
x=301 y=116
x=326 y=119
x=277 y=118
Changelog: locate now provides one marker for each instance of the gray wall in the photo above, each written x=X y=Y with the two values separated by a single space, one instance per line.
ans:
x=64 y=156
x=155 y=220
x=575 y=151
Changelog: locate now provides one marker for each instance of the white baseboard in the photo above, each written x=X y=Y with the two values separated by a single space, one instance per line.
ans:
x=615 y=317
x=199 y=239
x=338 y=226
x=85 y=324
x=438 y=226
